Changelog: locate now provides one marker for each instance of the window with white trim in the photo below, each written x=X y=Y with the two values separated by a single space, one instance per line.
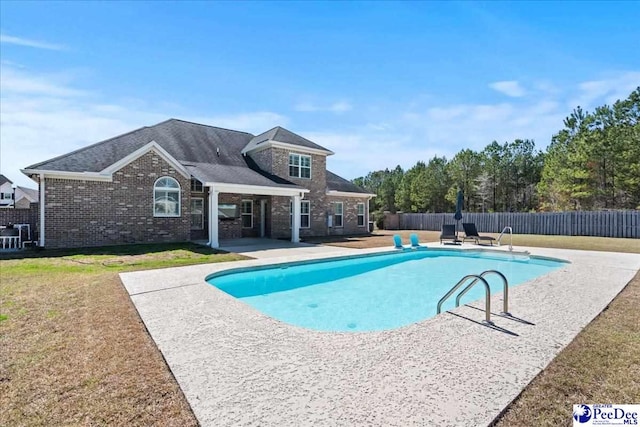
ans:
x=360 y=214
x=166 y=197
x=337 y=214
x=247 y=214
x=299 y=166
x=197 y=213
x=305 y=214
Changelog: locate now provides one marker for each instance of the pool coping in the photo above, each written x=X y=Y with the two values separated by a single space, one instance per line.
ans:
x=238 y=366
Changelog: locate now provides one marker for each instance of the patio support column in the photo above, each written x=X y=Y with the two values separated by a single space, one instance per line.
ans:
x=213 y=218
x=295 y=226
x=263 y=217
x=42 y=199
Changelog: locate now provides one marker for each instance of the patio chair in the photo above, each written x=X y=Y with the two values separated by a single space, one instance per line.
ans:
x=415 y=243
x=397 y=242
x=471 y=233
x=448 y=233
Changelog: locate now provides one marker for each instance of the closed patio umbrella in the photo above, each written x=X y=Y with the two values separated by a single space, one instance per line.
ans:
x=459 y=203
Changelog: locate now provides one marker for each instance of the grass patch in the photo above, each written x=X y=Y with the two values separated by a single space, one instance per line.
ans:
x=382 y=238
x=73 y=350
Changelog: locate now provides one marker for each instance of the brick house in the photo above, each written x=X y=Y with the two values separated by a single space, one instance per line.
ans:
x=171 y=181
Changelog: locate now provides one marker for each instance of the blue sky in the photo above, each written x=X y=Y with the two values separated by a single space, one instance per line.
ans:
x=378 y=83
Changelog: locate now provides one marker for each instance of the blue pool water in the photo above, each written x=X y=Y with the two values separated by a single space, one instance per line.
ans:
x=369 y=293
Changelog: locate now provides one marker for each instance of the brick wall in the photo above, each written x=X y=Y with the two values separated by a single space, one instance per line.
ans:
x=317 y=186
x=93 y=213
x=350 y=216
x=263 y=159
x=276 y=161
x=21 y=216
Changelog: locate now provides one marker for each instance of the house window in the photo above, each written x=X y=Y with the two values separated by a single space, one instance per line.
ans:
x=166 y=197
x=196 y=186
x=197 y=213
x=360 y=214
x=337 y=214
x=299 y=166
x=305 y=214
x=247 y=214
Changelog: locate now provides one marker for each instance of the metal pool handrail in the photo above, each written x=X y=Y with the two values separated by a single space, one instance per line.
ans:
x=487 y=291
x=505 y=290
x=510 y=235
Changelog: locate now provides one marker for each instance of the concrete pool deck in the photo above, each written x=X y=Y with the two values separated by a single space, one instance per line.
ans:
x=237 y=366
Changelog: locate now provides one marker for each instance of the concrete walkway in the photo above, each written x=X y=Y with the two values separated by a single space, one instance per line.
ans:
x=237 y=366
x=271 y=248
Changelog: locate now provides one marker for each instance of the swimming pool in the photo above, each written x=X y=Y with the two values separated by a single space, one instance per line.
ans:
x=372 y=292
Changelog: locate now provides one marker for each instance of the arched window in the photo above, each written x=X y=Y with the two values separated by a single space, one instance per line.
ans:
x=166 y=197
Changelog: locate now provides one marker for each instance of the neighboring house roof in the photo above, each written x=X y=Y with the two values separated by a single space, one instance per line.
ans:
x=337 y=183
x=4 y=180
x=280 y=134
x=29 y=193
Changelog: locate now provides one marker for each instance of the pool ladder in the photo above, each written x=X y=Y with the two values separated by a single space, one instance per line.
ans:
x=510 y=230
x=487 y=292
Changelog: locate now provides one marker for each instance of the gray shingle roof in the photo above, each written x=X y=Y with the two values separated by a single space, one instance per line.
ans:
x=196 y=147
x=229 y=174
x=337 y=183
x=185 y=141
x=281 y=134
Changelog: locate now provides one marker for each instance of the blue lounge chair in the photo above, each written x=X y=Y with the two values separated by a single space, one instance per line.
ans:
x=414 y=240
x=397 y=242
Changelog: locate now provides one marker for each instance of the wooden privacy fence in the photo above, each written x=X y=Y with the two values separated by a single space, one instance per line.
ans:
x=579 y=223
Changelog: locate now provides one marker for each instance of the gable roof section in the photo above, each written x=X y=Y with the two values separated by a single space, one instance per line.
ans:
x=29 y=193
x=184 y=141
x=4 y=180
x=279 y=136
x=337 y=184
x=208 y=153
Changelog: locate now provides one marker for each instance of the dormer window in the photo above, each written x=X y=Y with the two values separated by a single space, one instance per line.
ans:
x=299 y=166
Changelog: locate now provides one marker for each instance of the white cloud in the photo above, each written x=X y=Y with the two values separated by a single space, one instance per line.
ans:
x=509 y=87
x=44 y=116
x=7 y=39
x=607 y=90
x=423 y=131
x=337 y=107
x=13 y=81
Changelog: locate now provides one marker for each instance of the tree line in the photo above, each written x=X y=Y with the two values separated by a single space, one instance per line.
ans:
x=592 y=163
